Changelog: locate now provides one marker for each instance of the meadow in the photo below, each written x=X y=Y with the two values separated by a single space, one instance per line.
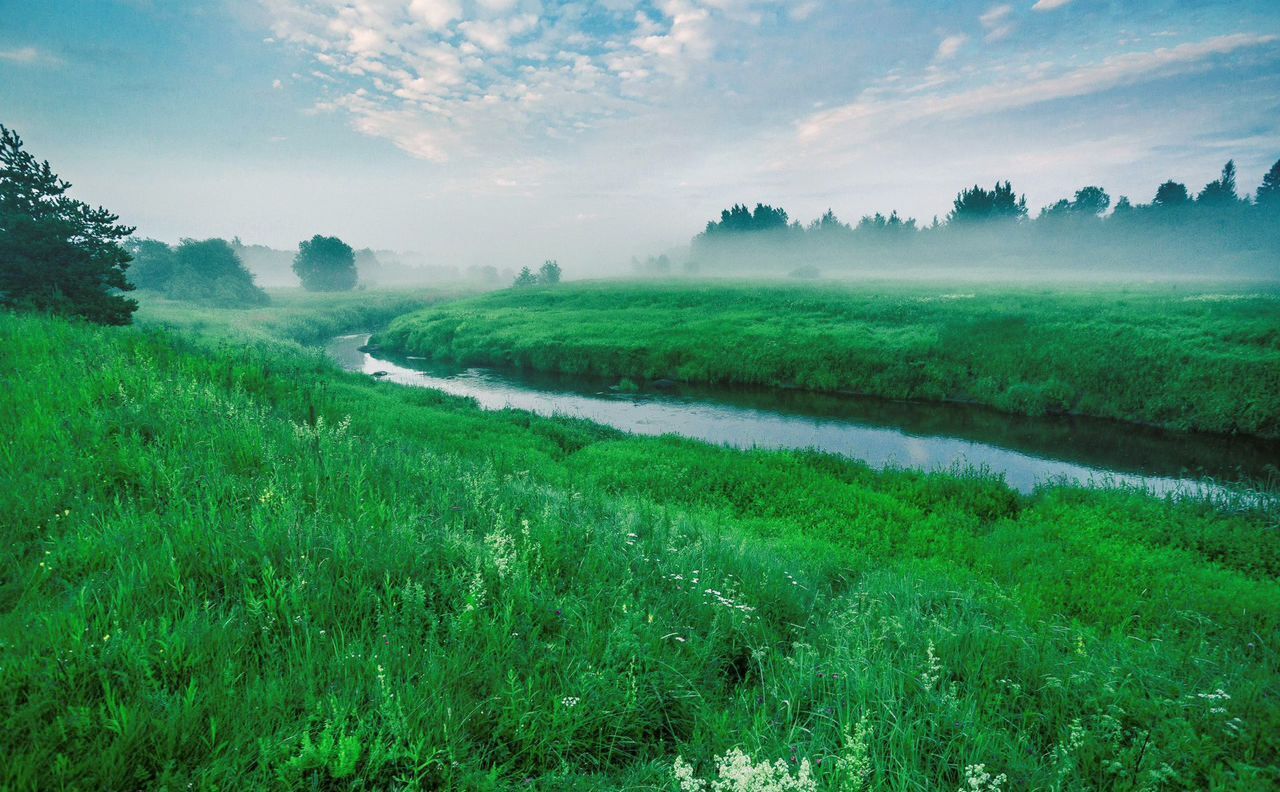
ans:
x=230 y=565
x=1180 y=357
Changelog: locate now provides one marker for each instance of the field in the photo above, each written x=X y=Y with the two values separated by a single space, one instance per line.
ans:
x=1162 y=355
x=230 y=565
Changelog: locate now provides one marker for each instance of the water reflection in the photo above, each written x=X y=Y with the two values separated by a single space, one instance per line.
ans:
x=878 y=431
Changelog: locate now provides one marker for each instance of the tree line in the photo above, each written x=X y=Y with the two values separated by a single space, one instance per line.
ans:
x=1216 y=223
x=60 y=255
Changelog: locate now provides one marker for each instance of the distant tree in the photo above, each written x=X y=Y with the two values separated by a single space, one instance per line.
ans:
x=739 y=219
x=153 y=264
x=56 y=253
x=1170 y=195
x=525 y=278
x=879 y=224
x=1221 y=191
x=1123 y=208
x=1269 y=190
x=828 y=224
x=549 y=273
x=1091 y=201
x=209 y=272
x=1088 y=202
x=979 y=205
x=325 y=264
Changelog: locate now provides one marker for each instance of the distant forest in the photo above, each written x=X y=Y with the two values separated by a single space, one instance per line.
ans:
x=1215 y=231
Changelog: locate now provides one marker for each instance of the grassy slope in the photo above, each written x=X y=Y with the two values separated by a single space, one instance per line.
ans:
x=204 y=585
x=293 y=315
x=1151 y=355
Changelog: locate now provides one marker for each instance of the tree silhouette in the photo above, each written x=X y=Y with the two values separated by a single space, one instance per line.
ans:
x=1269 y=190
x=549 y=273
x=56 y=253
x=525 y=278
x=325 y=264
x=978 y=205
x=1221 y=191
x=1171 y=194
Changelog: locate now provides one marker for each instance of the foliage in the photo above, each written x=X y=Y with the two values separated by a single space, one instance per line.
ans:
x=1219 y=233
x=1170 y=195
x=325 y=264
x=360 y=586
x=1269 y=191
x=154 y=264
x=57 y=254
x=209 y=272
x=549 y=272
x=978 y=205
x=1222 y=191
x=547 y=275
x=1176 y=358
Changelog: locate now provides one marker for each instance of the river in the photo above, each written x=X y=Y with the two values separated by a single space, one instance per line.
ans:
x=1027 y=451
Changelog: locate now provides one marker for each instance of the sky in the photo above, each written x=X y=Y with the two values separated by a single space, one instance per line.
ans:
x=507 y=132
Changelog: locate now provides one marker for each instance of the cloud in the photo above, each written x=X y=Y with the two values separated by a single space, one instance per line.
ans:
x=949 y=46
x=997 y=23
x=442 y=79
x=878 y=109
x=277 y=84
x=1049 y=5
x=27 y=55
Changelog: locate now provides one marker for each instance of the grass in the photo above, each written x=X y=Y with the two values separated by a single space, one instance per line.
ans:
x=294 y=315
x=1156 y=355
x=230 y=565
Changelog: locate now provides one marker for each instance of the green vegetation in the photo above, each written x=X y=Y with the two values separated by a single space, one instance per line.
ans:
x=229 y=565
x=1174 y=358
x=325 y=264
x=208 y=272
x=57 y=254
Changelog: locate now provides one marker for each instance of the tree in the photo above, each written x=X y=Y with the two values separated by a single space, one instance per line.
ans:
x=1171 y=194
x=525 y=278
x=153 y=264
x=325 y=264
x=56 y=253
x=979 y=205
x=1269 y=190
x=1221 y=191
x=209 y=272
x=549 y=273
x=1091 y=201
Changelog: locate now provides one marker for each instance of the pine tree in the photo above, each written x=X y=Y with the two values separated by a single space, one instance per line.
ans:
x=1269 y=190
x=56 y=253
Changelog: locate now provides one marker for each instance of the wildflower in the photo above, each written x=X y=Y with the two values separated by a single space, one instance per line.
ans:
x=977 y=779
x=569 y=702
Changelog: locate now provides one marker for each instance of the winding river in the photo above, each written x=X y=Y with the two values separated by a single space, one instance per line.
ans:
x=1026 y=451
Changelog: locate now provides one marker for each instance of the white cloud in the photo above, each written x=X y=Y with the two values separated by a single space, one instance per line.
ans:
x=277 y=84
x=1049 y=5
x=996 y=21
x=435 y=14
x=443 y=79
x=879 y=110
x=950 y=45
x=27 y=55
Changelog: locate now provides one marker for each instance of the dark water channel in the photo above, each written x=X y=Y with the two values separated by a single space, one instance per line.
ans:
x=1025 y=450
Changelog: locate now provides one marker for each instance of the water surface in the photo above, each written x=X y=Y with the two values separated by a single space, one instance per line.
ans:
x=1025 y=450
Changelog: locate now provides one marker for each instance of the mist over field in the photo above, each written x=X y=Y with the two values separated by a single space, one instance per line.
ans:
x=682 y=395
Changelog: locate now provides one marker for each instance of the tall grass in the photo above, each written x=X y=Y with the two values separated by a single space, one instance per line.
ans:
x=232 y=566
x=1200 y=361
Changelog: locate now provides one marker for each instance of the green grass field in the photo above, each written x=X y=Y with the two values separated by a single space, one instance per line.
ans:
x=230 y=565
x=1197 y=360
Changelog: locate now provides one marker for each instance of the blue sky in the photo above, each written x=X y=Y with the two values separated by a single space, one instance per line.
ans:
x=509 y=131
